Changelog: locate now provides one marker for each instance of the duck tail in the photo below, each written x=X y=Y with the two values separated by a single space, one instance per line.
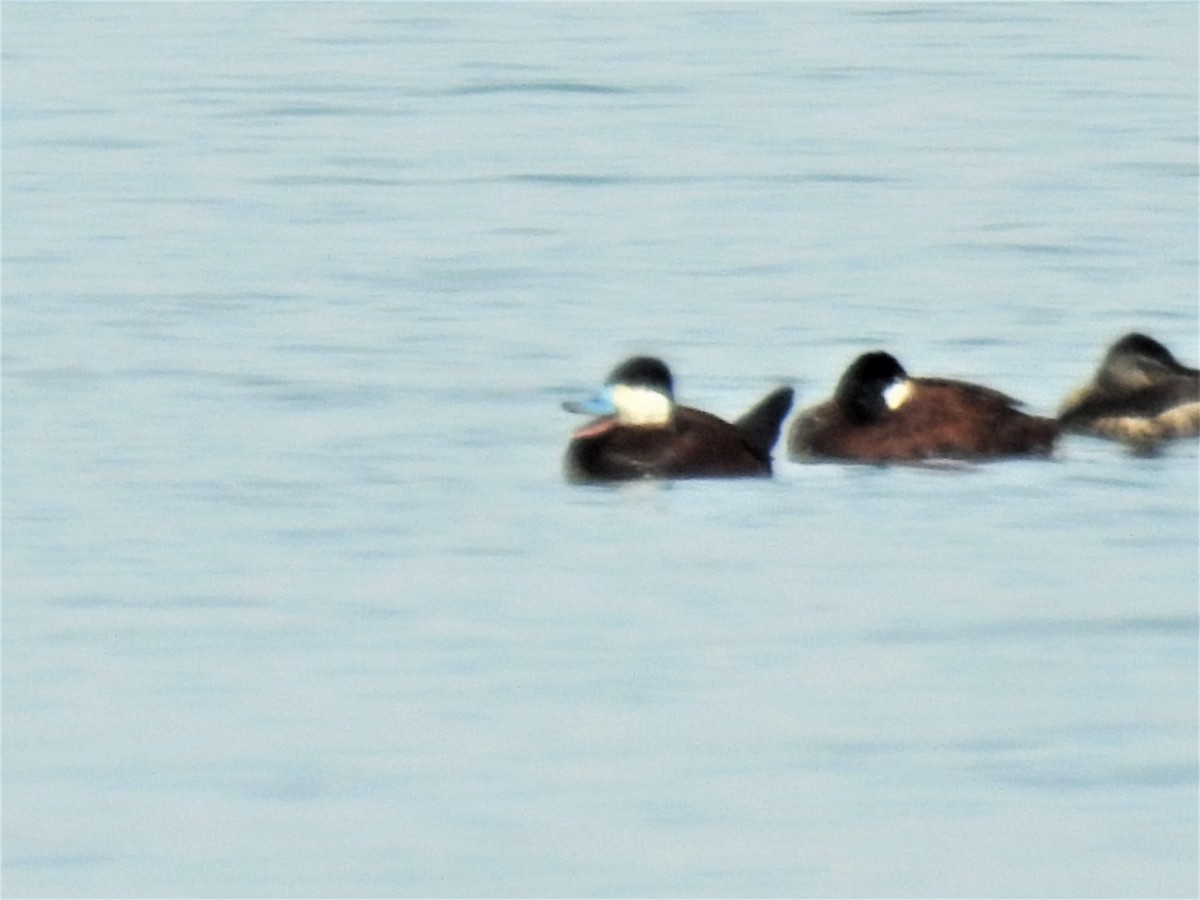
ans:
x=1031 y=435
x=760 y=426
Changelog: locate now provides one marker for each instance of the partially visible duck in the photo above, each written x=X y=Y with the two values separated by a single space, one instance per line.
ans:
x=1141 y=395
x=878 y=413
x=643 y=433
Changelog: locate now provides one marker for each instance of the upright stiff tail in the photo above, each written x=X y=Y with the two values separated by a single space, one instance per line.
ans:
x=760 y=427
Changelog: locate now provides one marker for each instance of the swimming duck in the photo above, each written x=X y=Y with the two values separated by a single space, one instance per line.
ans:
x=1140 y=395
x=878 y=413
x=643 y=433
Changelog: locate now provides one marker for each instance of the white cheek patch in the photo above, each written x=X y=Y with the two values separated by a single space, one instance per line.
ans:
x=641 y=406
x=896 y=394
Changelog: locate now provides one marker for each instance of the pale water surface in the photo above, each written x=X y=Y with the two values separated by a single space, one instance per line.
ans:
x=296 y=602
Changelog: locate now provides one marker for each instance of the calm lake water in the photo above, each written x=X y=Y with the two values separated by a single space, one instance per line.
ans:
x=296 y=601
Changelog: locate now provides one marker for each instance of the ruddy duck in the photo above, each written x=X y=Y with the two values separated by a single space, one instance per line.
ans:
x=642 y=433
x=879 y=414
x=1141 y=395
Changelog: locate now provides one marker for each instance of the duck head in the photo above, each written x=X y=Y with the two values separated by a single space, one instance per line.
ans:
x=638 y=392
x=874 y=385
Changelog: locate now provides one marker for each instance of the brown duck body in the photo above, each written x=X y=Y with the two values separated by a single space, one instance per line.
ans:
x=692 y=444
x=940 y=419
x=1141 y=395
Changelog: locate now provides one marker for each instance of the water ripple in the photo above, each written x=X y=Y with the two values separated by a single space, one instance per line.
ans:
x=1041 y=629
x=536 y=87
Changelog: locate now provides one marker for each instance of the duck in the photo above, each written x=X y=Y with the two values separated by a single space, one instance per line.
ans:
x=1140 y=395
x=641 y=432
x=879 y=414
